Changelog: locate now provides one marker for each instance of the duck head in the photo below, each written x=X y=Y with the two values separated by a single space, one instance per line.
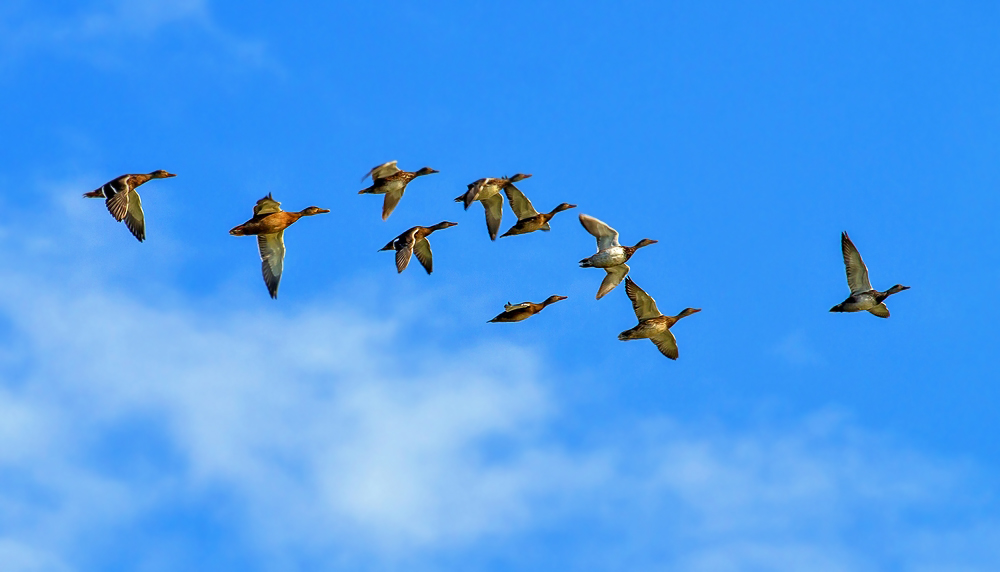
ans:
x=309 y=211
x=519 y=177
x=645 y=242
x=443 y=224
x=161 y=174
x=553 y=300
x=426 y=171
x=688 y=312
x=896 y=288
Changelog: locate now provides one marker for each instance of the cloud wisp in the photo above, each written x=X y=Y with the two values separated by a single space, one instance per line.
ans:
x=326 y=432
x=103 y=33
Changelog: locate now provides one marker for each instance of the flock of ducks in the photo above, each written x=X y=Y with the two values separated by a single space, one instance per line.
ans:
x=269 y=222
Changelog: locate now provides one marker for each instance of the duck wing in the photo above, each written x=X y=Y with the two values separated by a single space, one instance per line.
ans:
x=472 y=195
x=642 y=303
x=266 y=205
x=422 y=249
x=667 y=344
x=390 y=202
x=857 y=272
x=882 y=311
x=404 y=248
x=607 y=237
x=381 y=171
x=135 y=221
x=272 y=256
x=494 y=211
x=519 y=203
x=116 y=195
x=613 y=278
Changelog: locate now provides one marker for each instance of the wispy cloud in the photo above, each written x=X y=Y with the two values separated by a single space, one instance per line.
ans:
x=311 y=432
x=104 y=32
x=796 y=350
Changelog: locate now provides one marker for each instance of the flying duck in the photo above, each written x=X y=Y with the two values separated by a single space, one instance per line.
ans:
x=388 y=180
x=652 y=324
x=863 y=296
x=123 y=201
x=528 y=219
x=610 y=256
x=269 y=223
x=487 y=191
x=414 y=241
x=524 y=310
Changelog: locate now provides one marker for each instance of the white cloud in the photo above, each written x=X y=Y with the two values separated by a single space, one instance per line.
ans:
x=322 y=430
x=105 y=32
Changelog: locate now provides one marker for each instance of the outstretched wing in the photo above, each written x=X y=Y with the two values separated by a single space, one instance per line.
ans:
x=390 y=202
x=607 y=237
x=422 y=249
x=404 y=249
x=494 y=211
x=667 y=344
x=519 y=203
x=117 y=196
x=882 y=311
x=472 y=195
x=613 y=278
x=272 y=256
x=857 y=272
x=134 y=218
x=266 y=205
x=381 y=171
x=642 y=303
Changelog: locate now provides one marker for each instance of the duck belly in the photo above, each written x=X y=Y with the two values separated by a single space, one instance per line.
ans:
x=608 y=257
x=859 y=303
x=645 y=329
x=393 y=186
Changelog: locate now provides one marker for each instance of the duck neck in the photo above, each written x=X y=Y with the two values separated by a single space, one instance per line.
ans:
x=879 y=296
x=684 y=313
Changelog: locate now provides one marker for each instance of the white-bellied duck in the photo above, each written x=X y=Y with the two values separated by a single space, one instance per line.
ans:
x=610 y=256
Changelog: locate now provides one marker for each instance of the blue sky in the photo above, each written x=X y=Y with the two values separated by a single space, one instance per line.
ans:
x=158 y=411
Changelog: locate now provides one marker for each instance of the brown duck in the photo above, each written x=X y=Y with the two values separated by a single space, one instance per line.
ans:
x=528 y=219
x=269 y=223
x=414 y=241
x=524 y=310
x=390 y=181
x=487 y=191
x=123 y=201
x=652 y=324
